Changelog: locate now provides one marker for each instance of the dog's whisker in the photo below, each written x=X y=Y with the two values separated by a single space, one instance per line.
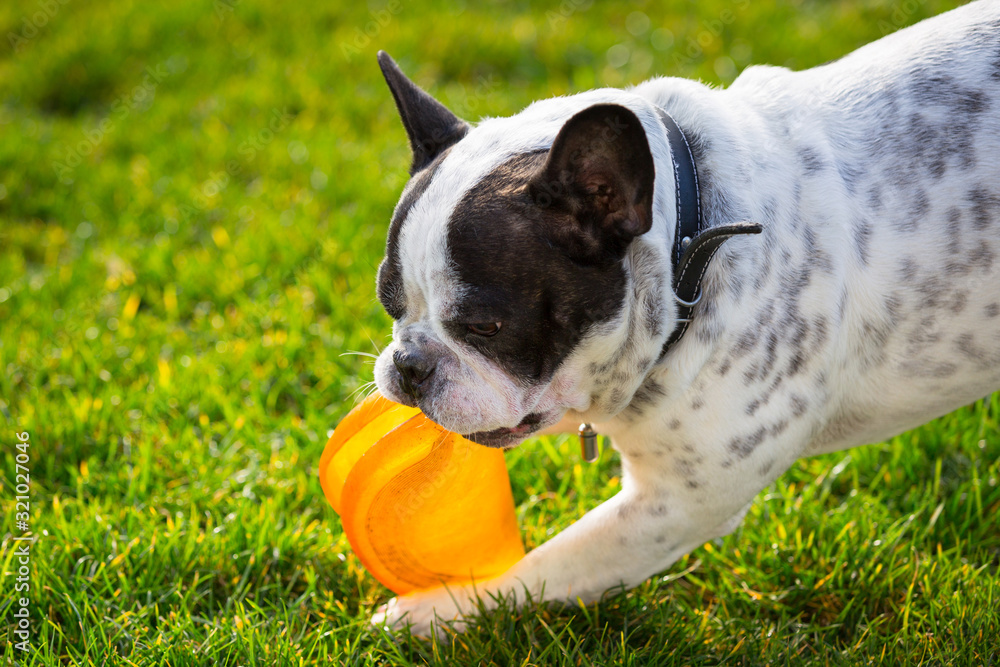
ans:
x=359 y=354
x=364 y=391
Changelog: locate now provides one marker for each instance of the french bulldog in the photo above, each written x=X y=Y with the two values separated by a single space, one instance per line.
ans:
x=566 y=265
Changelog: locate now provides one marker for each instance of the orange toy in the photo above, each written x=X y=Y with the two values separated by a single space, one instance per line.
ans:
x=421 y=506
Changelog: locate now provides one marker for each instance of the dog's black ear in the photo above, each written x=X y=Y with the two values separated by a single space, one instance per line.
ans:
x=430 y=126
x=597 y=182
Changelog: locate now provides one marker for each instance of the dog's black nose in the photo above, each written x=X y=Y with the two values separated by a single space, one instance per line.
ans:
x=414 y=369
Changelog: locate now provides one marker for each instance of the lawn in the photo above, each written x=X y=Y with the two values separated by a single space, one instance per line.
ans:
x=194 y=196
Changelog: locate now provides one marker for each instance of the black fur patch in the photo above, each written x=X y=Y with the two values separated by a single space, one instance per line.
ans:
x=501 y=250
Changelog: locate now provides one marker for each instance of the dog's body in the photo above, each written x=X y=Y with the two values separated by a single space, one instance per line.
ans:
x=869 y=304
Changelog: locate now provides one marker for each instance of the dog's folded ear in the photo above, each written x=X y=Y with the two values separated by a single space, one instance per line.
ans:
x=430 y=126
x=597 y=182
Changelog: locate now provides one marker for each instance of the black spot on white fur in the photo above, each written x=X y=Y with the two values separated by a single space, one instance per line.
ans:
x=985 y=207
x=862 y=240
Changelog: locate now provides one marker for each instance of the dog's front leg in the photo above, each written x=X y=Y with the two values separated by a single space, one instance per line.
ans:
x=620 y=543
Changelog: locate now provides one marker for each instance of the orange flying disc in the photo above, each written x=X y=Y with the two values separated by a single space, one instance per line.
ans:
x=421 y=506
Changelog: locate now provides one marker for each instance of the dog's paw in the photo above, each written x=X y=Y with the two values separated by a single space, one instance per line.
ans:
x=423 y=612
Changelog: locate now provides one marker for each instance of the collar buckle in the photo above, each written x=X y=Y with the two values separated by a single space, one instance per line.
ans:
x=694 y=246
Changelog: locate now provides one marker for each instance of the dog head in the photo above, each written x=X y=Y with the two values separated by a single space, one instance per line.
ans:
x=514 y=271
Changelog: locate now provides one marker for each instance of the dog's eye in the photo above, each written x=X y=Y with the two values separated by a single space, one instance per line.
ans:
x=485 y=328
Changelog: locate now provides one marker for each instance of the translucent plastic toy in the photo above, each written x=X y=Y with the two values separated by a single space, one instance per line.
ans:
x=421 y=506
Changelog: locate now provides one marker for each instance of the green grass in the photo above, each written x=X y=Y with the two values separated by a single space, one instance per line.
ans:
x=193 y=200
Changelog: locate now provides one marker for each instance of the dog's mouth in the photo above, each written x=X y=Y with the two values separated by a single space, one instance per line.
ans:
x=507 y=437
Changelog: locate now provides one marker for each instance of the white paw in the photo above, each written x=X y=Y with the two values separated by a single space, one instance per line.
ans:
x=424 y=612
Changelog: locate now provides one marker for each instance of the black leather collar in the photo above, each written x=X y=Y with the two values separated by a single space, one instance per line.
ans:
x=694 y=246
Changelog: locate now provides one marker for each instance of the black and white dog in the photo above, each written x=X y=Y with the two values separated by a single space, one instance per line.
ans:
x=566 y=265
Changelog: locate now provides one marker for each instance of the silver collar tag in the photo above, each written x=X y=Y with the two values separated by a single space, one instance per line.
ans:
x=588 y=443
